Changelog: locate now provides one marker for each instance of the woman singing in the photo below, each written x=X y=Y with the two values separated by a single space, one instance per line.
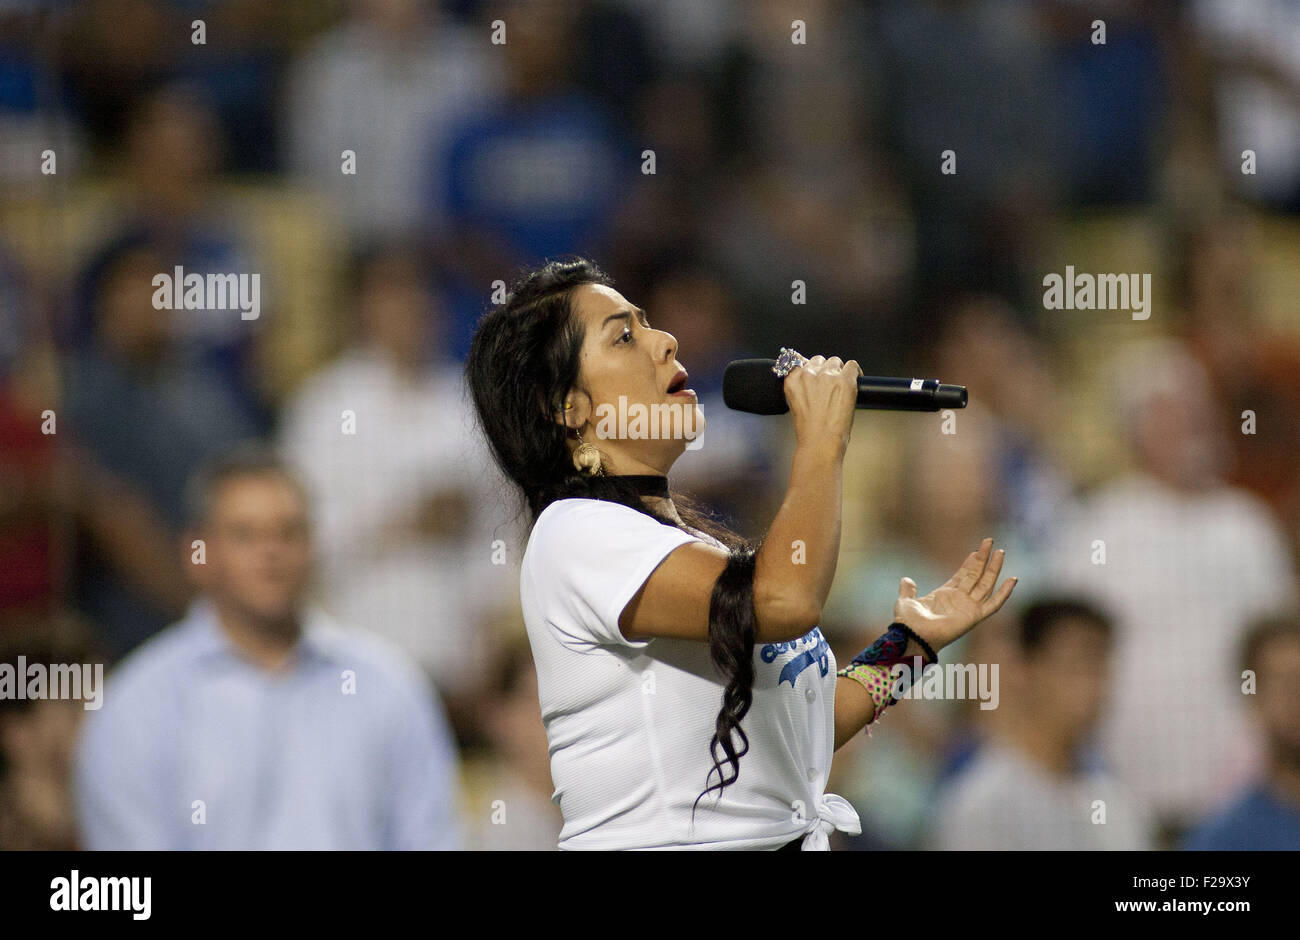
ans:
x=690 y=699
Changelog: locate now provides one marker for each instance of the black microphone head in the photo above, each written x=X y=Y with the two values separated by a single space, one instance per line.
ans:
x=751 y=385
x=950 y=396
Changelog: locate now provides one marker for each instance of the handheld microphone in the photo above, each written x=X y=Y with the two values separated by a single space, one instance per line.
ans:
x=751 y=385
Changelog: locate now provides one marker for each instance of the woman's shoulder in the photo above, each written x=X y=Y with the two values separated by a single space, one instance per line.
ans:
x=593 y=523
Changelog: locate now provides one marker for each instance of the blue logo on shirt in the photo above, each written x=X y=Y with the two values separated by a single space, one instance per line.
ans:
x=814 y=648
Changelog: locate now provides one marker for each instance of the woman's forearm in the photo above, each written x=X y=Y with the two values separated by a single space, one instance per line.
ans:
x=854 y=710
x=795 y=565
x=854 y=706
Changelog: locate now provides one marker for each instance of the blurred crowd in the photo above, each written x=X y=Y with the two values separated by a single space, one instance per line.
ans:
x=386 y=166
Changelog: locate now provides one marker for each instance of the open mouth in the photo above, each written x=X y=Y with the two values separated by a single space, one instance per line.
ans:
x=678 y=383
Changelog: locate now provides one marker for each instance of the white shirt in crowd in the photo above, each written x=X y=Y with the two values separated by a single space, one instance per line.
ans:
x=394 y=103
x=409 y=439
x=1004 y=801
x=629 y=723
x=1256 y=112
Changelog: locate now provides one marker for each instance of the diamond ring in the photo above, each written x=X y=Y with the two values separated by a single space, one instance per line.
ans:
x=787 y=361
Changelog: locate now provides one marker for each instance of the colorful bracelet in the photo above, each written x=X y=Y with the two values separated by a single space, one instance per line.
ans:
x=877 y=681
x=891 y=647
x=873 y=668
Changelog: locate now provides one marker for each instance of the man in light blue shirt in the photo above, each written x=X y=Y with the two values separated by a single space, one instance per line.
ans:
x=255 y=722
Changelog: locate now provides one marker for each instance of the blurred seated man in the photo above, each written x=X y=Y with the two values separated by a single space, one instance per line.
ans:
x=1031 y=785
x=254 y=722
x=1267 y=814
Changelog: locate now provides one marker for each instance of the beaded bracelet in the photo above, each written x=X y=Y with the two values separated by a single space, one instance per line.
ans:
x=878 y=683
x=930 y=655
x=873 y=667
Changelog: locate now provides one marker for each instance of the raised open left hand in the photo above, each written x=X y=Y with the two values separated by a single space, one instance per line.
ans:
x=951 y=610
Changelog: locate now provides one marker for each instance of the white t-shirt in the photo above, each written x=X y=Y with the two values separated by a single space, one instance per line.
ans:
x=629 y=723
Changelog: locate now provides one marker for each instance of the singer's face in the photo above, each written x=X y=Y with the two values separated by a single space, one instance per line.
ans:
x=631 y=399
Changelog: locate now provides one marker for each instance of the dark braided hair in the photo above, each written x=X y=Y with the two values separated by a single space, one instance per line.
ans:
x=523 y=361
x=732 y=628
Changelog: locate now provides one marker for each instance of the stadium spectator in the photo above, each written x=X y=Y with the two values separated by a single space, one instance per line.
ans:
x=1182 y=560
x=1033 y=784
x=385 y=84
x=170 y=200
x=1255 y=50
x=514 y=810
x=131 y=474
x=37 y=735
x=405 y=531
x=1215 y=263
x=255 y=722
x=538 y=169
x=1267 y=815
x=31 y=502
x=986 y=344
x=937 y=495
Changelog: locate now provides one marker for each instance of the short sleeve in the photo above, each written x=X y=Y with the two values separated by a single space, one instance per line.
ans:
x=586 y=559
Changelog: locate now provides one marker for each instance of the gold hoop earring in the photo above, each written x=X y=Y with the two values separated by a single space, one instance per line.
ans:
x=586 y=459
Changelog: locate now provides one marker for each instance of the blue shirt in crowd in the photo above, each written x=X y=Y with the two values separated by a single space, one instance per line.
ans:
x=1258 y=821
x=541 y=177
x=195 y=747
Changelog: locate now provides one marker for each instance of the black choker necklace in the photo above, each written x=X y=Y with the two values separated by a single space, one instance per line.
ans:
x=647 y=484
